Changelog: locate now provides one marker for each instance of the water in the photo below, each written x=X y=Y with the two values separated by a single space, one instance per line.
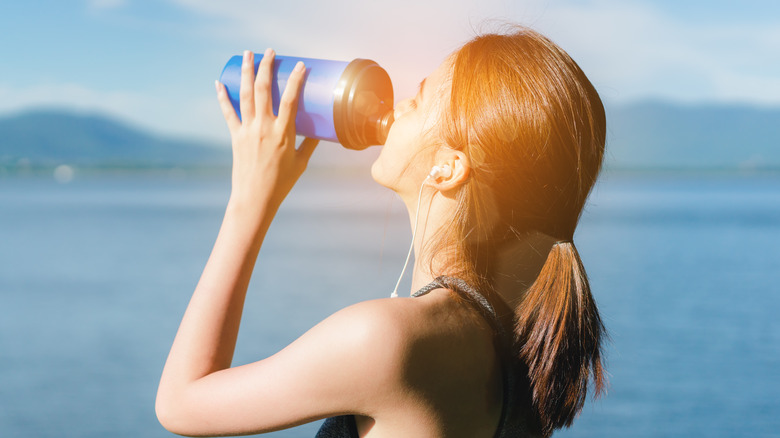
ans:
x=95 y=274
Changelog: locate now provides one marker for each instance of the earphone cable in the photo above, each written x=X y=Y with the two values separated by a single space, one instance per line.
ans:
x=411 y=246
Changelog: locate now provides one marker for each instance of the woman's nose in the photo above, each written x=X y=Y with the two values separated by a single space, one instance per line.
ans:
x=401 y=109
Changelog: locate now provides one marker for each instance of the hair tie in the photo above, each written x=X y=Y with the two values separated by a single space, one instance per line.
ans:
x=557 y=242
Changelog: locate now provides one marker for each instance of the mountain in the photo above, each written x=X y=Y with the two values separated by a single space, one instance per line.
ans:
x=47 y=138
x=653 y=135
x=645 y=135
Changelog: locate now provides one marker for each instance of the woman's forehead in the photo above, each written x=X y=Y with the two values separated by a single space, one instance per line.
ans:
x=436 y=82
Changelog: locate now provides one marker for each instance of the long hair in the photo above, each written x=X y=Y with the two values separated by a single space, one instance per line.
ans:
x=533 y=128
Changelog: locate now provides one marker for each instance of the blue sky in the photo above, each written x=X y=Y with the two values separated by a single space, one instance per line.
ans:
x=154 y=62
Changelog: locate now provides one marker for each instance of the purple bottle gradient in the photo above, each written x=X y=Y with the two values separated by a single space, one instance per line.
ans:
x=345 y=102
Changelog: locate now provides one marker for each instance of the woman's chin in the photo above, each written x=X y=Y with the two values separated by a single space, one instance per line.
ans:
x=384 y=176
x=376 y=173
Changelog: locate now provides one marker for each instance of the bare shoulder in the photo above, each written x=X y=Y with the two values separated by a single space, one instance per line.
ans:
x=380 y=329
x=391 y=336
x=370 y=335
x=402 y=321
x=430 y=334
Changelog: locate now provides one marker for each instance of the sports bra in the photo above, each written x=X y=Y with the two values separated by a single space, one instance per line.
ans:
x=512 y=422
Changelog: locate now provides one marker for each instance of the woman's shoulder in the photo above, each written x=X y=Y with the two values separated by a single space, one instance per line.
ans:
x=382 y=322
x=389 y=330
x=366 y=345
x=428 y=332
x=403 y=319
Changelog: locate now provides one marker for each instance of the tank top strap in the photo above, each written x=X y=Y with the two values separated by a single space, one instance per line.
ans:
x=435 y=284
x=476 y=299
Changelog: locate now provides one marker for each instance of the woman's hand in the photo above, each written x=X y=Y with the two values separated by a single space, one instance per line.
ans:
x=266 y=163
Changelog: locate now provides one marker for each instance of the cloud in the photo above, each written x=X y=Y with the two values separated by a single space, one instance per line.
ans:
x=630 y=49
x=637 y=51
x=407 y=37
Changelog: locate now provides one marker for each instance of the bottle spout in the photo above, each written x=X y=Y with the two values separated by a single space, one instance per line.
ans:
x=383 y=125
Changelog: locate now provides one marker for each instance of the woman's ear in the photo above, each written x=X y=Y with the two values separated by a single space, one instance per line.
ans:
x=453 y=170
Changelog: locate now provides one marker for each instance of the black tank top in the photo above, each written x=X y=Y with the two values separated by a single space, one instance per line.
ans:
x=512 y=422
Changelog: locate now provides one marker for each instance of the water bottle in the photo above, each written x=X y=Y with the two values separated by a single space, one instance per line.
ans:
x=346 y=102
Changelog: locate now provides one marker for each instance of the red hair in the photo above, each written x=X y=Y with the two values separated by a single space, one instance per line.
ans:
x=533 y=128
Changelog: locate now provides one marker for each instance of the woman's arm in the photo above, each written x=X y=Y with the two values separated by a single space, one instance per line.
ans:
x=266 y=165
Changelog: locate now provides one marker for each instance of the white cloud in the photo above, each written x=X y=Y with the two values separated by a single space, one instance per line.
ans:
x=635 y=51
x=630 y=49
x=407 y=37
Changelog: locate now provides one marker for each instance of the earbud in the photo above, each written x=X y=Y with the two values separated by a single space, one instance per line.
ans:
x=444 y=172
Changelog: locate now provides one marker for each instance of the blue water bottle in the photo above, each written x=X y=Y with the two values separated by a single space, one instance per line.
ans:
x=346 y=102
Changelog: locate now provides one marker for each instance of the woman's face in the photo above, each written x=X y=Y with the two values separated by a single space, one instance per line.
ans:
x=408 y=153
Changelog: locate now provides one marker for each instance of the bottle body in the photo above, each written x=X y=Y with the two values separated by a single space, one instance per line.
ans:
x=346 y=102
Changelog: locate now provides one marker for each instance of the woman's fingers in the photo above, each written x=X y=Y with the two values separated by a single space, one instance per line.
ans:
x=255 y=97
x=263 y=103
x=255 y=91
x=288 y=104
x=227 y=108
x=246 y=92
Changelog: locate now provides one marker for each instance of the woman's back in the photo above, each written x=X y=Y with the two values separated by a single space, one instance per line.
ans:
x=449 y=376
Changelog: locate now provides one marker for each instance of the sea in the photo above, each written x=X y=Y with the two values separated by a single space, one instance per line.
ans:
x=96 y=269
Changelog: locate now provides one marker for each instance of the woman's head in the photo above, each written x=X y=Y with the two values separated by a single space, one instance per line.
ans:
x=522 y=117
x=533 y=130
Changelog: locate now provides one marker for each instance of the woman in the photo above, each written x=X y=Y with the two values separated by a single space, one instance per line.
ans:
x=502 y=337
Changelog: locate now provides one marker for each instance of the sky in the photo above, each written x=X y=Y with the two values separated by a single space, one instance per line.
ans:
x=153 y=62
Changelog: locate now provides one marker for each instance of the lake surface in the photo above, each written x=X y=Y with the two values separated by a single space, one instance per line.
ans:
x=95 y=275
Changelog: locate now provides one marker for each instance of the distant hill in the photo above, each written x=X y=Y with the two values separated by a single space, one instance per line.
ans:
x=47 y=138
x=662 y=135
x=648 y=135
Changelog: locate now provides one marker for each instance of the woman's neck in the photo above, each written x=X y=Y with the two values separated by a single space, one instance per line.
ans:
x=435 y=211
x=518 y=263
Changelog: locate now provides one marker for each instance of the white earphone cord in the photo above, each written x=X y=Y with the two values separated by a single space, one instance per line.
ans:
x=411 y=246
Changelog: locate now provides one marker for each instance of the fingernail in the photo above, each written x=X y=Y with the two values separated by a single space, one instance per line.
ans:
x=246 y=55
x=268 y=52
x=216 y=85
x=299 y=67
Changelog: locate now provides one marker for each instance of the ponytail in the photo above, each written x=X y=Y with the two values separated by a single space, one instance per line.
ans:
x=559 y=331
